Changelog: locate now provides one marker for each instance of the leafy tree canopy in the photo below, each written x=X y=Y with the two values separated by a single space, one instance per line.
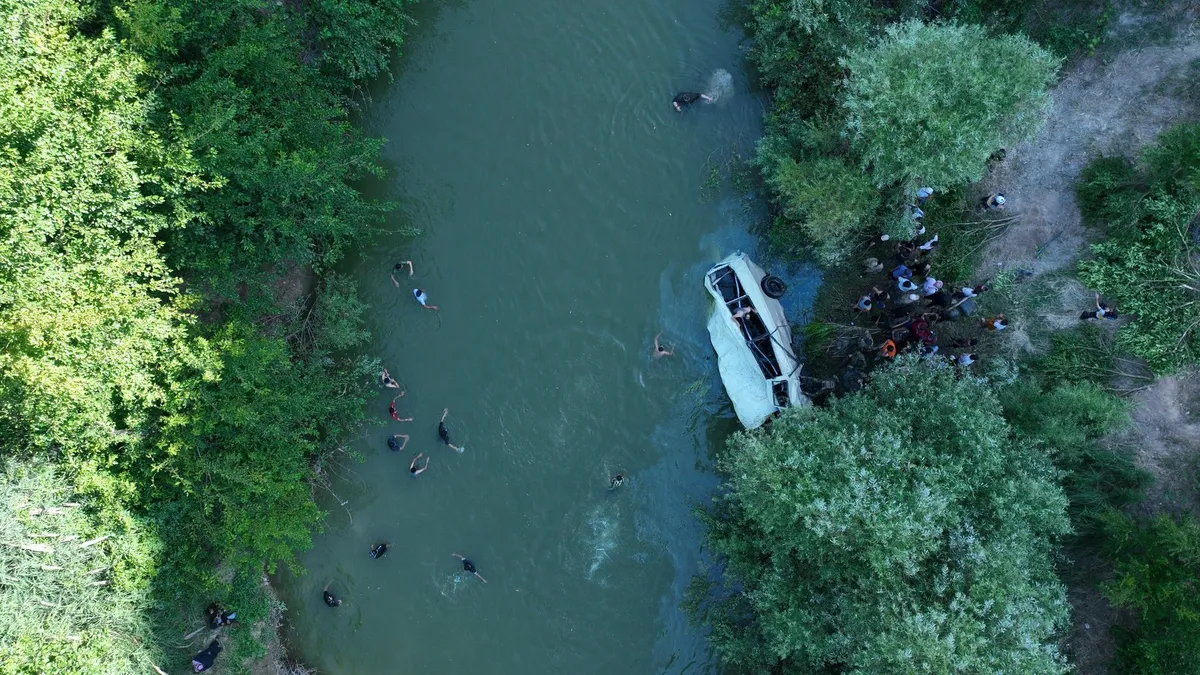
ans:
x=899 y=530
x=931 y=102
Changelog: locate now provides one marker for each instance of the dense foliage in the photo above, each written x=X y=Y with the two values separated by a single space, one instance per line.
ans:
x=1149 y=262
x=1067 y=423
x=144 y=144
x=899 y=530
x=869 y=85
x=1156 y=572
x=929 y=103
x=76 y=577
x=831 y=201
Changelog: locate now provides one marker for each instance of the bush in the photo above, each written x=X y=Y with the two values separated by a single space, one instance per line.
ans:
x=900 y=530
x=931 y=102
x=1148 y=263
x=827 y=200
x=75 y=579
x=1156 y=566
x=1068 y=422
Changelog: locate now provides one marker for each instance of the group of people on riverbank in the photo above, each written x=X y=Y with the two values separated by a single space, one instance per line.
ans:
x=906 y=304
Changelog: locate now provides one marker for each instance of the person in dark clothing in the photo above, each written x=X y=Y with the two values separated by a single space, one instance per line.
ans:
x=686 y=98
x=378 y=550
x=397 y=445
x=940 y=299
x=329 y=597
x=965 y=343
x=217 y=616
x=469 y=566
x=204 y=660
x=444 y=433
x=616 y=481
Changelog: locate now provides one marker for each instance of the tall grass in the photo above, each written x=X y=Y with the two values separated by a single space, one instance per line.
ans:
x=72 y=591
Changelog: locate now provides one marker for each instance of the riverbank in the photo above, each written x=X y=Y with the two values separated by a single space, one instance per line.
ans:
x=154 y=364
x=1026 y=254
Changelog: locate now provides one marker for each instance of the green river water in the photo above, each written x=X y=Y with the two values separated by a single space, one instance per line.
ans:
x=560 y=199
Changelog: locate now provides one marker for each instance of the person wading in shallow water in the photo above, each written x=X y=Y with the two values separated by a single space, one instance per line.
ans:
x=392 y=410
x=389 y=381
x=659 y=350
x=469 y=566
x=686 y=98
x=444 y=433
x=419 y=294
x=329 y=597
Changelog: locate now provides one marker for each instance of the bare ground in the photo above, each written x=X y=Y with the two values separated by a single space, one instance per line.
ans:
x=1113 y=105
x=1116 y=106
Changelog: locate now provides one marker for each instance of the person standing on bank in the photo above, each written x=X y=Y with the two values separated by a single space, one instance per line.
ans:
x=686 y=98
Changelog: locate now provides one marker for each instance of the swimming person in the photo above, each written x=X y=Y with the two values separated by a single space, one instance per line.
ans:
x=329 y=597
x=659 y=350
x=378 y=550
x=392 y=410
x=412 y=467
x=687 y=98
x=396 y=446
x=398 y=267
x=389 y=381
x=444 y=433
x=419 y=294
x=616 y=481
x=469 y=566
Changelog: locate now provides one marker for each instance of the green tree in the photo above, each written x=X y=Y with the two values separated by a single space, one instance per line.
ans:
x=1067 y=422
x=931 y=102
x=1156 y=574
x=827 y=200
x=900 y=530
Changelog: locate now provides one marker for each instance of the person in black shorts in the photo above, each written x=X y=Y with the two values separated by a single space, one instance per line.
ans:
x=469 y=566
x=378 y=550
x=686 y=98
x=444 y=433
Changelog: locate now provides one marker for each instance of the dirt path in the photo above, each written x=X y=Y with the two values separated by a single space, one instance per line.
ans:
x=1113 y=107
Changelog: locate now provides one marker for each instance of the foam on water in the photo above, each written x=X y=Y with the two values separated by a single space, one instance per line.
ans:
x=720 y=85
x=600 y=536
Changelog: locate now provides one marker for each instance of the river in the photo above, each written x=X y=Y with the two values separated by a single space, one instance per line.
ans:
x=564 y=226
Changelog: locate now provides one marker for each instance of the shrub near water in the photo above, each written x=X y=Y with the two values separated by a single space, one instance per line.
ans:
x=900 y=530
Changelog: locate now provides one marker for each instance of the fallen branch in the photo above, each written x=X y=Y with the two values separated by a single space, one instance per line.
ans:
x=91 y=542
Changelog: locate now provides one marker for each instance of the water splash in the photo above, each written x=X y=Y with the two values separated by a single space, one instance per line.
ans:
x=601 y=537
x=720 y=85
